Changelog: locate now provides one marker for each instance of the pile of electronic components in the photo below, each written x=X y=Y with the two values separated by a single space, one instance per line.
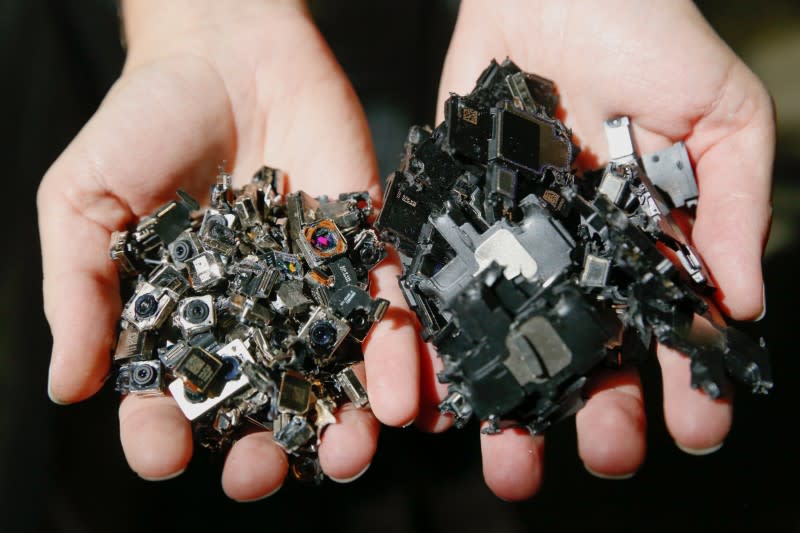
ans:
x=250 y=311
x=526 y=277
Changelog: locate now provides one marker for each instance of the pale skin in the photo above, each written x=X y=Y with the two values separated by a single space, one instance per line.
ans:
x=253 y=82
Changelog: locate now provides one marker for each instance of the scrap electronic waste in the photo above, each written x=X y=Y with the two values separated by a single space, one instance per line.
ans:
x=251 y=311
x=525 y=275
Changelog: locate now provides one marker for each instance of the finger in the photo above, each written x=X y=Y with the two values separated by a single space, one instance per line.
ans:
x=81 y=299
x=512 y=463
x=347 y=447
x=432 y=392
x=155 y=436
x=390 y=353
x=698 y=424
x=255 y=468
x=611 y=426
x=734 y=146
x=119 y=167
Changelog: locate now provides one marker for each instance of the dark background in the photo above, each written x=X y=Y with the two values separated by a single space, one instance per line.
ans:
x=62 y=468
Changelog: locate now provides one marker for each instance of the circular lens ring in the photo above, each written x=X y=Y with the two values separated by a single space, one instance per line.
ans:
x=181 y=250
x=219 y=231
x=216 y=220
x=145 y=306
x=369 y=254
x=323 y=239
x=231 y=368
x=359 y=320
x=143 y=375
x=322 y=334
x=196 y=311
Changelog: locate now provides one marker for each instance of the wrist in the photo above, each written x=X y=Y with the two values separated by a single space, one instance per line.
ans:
x=154 y=28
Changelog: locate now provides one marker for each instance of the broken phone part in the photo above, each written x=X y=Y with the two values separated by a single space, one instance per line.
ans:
x=250 y=313
x=527 y=277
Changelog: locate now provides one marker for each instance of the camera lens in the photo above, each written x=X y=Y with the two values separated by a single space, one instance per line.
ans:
x=196 y=311
x=218 y=231
x=369 y=254
x=359 y=320
x=216 y=220
x=181 y=250
x=231 y=368
x=324 y=239
x=144 y=375
x=322 y=334
x=145 y=306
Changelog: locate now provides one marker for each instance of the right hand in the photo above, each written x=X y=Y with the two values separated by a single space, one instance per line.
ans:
x=660 y=63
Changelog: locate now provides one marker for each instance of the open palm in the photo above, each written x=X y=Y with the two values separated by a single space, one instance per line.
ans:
x=228 y=91
x=661 y=64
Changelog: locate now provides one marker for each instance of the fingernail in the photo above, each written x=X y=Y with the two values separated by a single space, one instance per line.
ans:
x=409 y=423
x=700 y=452
x=163 y=478
x=763 y=303
x=264 y=497
x=50 y=388
x=351 y=479
x=614 y=477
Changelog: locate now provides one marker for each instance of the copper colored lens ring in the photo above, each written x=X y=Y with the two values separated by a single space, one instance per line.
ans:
x=325 y=238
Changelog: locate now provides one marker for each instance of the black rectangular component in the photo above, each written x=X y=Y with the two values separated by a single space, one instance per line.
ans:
x=516 y=140
x=469 y=126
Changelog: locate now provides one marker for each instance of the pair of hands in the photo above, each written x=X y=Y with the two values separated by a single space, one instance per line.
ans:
x=253 y=82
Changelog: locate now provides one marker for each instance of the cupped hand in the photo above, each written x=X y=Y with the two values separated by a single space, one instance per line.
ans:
x=205 y=82
x=661 y=64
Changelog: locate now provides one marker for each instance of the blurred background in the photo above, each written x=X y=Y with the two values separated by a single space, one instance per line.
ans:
x=62 y=468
